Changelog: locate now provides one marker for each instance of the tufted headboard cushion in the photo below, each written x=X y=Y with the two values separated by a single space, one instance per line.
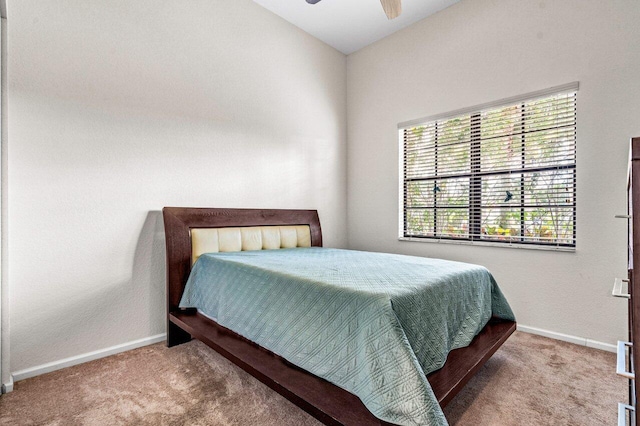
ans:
x=214 y=240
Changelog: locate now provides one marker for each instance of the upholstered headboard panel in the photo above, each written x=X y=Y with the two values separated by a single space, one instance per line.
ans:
x=214 y=240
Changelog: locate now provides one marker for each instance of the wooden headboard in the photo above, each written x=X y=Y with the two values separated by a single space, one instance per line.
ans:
x=179 y=221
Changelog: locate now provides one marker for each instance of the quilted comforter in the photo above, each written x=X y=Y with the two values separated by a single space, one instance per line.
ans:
x=374 y=324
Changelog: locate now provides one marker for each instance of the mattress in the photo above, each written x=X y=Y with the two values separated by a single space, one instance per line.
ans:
x=374 y=324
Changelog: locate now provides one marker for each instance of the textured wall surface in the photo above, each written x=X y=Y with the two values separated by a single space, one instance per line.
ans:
x=485 y=50
x=120 y=108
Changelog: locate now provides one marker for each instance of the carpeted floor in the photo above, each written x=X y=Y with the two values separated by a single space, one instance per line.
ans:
x=531 y=380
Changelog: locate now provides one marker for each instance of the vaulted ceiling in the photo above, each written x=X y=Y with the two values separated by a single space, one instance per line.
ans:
x=349 y=25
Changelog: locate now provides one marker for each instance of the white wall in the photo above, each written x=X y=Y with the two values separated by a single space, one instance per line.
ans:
x=119 y=108
x=479 y=51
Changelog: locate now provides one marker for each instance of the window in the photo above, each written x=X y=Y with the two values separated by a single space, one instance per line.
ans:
x=503 y=173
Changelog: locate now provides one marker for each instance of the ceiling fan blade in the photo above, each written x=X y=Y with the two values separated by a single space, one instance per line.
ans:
x=312 y=1
x=393 y=8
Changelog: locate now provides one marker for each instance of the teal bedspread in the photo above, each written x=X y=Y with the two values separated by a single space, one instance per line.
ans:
x=374 y=324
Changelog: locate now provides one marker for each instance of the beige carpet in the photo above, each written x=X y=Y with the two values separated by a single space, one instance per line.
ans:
x=530 y=381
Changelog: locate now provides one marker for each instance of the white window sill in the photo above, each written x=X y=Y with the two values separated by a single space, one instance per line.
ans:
x=489 y=244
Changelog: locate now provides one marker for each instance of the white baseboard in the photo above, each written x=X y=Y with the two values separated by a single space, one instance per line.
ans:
x=7 y=387
x=568 y=338
x=79 y=359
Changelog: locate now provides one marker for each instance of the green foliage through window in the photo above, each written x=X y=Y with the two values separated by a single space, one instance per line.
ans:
x=505 y=174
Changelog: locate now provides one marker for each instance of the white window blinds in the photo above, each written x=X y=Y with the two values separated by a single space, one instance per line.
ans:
x=503 y=174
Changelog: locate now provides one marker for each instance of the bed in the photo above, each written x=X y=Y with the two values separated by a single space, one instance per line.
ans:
x=235 y=234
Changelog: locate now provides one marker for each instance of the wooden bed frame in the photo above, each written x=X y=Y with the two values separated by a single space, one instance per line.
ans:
x=323 y=400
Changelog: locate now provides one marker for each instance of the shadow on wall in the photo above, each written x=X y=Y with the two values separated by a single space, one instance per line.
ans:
x=105 y=313
x=149 y=266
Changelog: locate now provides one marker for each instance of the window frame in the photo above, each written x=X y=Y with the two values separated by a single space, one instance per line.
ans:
x=475 y=208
